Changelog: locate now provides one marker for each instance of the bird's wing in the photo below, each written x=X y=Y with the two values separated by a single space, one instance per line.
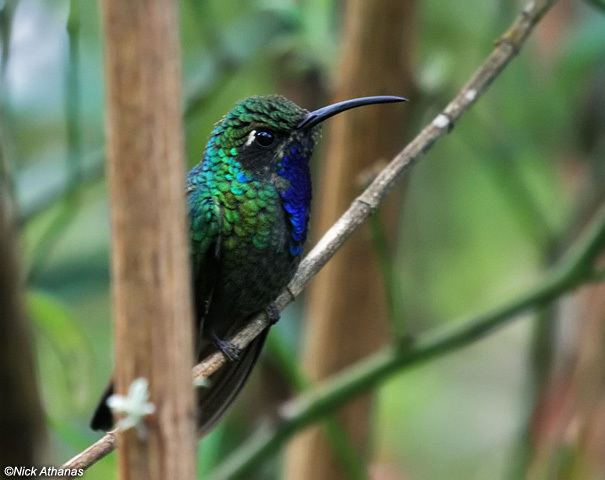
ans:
x=205 y=216
x=213 y=400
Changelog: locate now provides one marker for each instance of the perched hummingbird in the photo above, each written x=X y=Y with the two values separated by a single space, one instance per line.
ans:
x=248 y=202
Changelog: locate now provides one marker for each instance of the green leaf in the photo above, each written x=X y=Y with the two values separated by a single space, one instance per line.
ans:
x=67 y=339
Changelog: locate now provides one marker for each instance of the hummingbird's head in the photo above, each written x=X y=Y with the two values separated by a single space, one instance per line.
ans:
x=265 y=134
x=268 y=141
x=258 y=132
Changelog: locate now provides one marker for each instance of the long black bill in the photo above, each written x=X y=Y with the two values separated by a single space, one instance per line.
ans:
x=324 y=113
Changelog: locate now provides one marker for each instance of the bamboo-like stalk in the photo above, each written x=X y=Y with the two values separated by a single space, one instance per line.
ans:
x=376 y=57
x=151 y=286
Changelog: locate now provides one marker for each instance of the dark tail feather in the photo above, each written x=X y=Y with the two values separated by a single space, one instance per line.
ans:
x=213 y=401
x=225 y=384
x=102 y=418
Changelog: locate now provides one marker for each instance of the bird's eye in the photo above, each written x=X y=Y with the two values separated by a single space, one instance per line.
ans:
x=264 y=138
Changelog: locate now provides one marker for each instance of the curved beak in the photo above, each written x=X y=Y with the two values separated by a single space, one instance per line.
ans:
x=318 y=116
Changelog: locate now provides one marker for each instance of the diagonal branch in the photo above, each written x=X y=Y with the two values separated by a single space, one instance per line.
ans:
x=506 y=48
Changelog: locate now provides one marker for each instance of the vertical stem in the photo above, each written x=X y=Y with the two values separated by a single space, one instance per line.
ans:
x=151 y=281
x=377 y=44
x=73 y=123
x=72 y=95
x=389 y=277
x=22 y=420
x=6 y=142
x=339 y=442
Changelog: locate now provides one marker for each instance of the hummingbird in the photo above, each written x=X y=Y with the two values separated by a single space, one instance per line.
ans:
x=248 y=203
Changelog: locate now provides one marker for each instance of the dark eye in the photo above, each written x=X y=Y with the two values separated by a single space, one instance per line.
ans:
x=264 y=138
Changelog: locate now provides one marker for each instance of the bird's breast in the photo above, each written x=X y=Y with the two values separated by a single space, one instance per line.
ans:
x=256 y=263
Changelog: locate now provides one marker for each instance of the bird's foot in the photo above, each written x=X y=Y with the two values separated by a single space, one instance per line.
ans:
x=227 y=348
x=273 y=313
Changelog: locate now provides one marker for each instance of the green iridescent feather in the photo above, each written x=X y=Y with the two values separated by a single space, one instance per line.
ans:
x=228 y=196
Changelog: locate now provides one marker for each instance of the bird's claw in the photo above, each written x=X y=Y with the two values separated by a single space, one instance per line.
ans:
x=227 y=348
x=273 y=313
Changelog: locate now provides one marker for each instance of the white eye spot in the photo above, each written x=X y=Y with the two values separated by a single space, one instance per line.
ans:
x=251 y=136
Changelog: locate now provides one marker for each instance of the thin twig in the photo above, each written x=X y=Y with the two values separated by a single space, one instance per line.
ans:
x=102 y=447
x=73 y=127
x=389 y=277
x=342 y=447
x=506 y=48
x=91 y=170
x=7 y=150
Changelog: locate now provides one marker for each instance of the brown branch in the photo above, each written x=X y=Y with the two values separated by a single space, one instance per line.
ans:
x=102 y=447
x=377 y=37
x=150 y=271
x=506 y=48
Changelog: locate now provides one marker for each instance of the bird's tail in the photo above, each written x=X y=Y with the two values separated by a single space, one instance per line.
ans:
x=225 y=384
x=212 y=400
x=102 y=418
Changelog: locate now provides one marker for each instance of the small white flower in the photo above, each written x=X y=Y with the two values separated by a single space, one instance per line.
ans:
x=201 y=382
x=133 y=406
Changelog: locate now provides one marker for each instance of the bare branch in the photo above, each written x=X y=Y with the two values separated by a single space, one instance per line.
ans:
x=102 y=447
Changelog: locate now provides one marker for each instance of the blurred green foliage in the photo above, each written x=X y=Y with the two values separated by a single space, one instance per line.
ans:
x=479 y=213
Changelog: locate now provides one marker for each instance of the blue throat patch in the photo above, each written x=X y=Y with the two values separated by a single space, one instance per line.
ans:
x=296 y=199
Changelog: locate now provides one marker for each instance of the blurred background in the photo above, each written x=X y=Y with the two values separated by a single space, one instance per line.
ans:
x=477 y=222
